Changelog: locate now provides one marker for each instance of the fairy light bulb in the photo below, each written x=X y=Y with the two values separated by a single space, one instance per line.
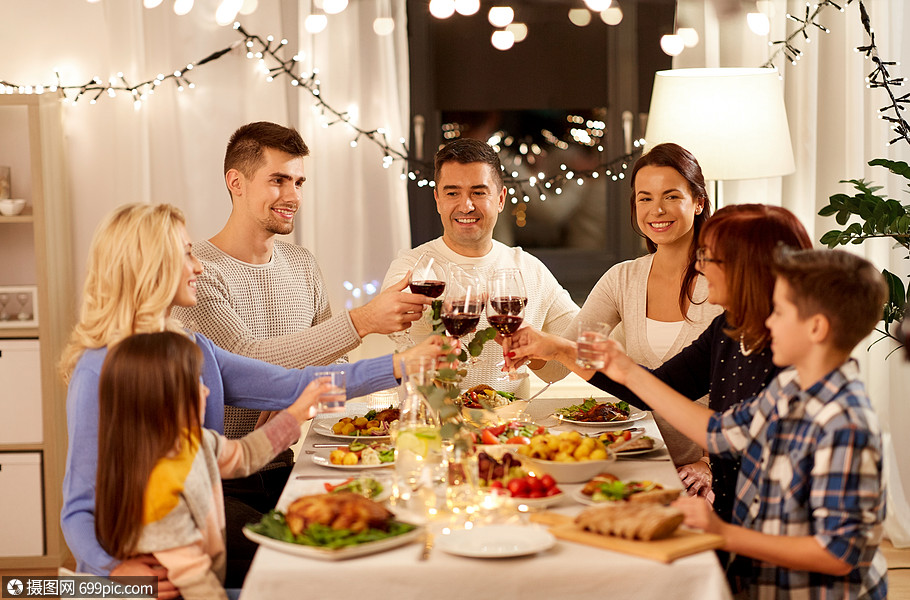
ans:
x=315 y=23
x=500 y=16
x=502 y=39
x=442 y=9
x=467 y=7
x=182 y=7
x=689 y=36
x=672 y=44
x=333 y=7
x=758 y=23
x=580 y=16
x=383 y=25
x=612 y=16
x=519 y=31
x=598 y=5
x=227 y=11
x=151 y=3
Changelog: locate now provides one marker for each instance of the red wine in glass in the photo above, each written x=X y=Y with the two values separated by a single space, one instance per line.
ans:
x=505 y=324
x=431 y=288
x=509 y=305
x=461 y=319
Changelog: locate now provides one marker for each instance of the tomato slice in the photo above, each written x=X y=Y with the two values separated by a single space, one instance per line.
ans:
x=329 y=487
x=497 y=430
x=519 y=439
x=488 y=438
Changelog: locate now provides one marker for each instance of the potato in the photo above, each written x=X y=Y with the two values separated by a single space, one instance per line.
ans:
x=360 y=422
x=336 y=457
x=563 y=457
x=598 y=454
x=338 y=427
x=350 y=459
x=348 y=429
x=582 y=452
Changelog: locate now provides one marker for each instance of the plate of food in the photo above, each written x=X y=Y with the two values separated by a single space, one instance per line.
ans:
x=332 y=527
x=606 y=487
x=501 y=472
x=357 y=455
x=374 y=425
x=597 y=414
x=496 y=541
x=513 y=433
x=640 y=445
x=377 y=486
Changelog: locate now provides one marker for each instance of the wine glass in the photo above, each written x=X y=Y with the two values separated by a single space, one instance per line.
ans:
x=463 y=302
x=427 y=277
x=4 y=300
x=506 y=308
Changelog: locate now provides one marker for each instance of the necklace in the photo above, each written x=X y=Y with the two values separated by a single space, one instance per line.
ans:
x=742 y=347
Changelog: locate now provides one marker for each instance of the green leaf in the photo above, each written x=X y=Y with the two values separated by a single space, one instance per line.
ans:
x=831 y=238
x=842 y=217
x=897 y=294
x=827 y=211
x=895 y=166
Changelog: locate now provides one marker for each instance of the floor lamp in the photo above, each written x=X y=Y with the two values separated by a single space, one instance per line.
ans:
x=732 y=119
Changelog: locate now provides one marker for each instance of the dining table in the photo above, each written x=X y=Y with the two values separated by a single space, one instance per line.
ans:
x=565 y=570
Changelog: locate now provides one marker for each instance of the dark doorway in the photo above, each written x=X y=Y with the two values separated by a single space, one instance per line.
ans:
x=554 y=105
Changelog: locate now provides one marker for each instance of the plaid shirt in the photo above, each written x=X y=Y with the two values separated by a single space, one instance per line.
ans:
x=811 y=465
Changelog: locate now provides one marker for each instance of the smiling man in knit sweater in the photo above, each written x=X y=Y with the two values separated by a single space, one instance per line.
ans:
x=266 y=298
x=469 y=197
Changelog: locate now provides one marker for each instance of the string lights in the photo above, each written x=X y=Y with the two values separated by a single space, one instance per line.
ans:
x=786 y=48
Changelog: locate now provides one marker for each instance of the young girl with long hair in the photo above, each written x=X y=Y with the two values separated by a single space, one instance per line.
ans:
x=159 y=471
x=139 y=266
x=655 y=305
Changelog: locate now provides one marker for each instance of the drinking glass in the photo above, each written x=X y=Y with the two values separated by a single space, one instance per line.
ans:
x=332 y=401
x=591 y=338
x=463 y=302
x=506 y=308
x=4 y=300
x=428 y=277
x=22 y=298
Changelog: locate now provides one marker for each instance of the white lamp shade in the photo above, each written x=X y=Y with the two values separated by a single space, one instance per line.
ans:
x=732 y=120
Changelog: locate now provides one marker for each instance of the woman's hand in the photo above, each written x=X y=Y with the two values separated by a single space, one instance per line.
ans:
x=435 y=347
x=527 y=343
x=617 y=364
x=146 y=565
x=698 y=514
x=697 y=479
x=305 y=407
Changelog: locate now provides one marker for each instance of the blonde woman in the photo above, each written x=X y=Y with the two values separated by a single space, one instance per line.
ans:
x=139 y=266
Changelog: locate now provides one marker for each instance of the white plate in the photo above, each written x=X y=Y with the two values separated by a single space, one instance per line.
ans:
x=585 y=499
x=634 y=415
x=322 y=459
x=324 y=427
x=658 y=444
x=496 y=541
x=544 y=502
x=334 y=554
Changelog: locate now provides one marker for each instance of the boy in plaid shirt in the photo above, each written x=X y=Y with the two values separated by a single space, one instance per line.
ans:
x=809 y=498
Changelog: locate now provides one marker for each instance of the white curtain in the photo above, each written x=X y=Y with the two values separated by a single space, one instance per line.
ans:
x=357 y=217
x=835 y=132
x=354 y=214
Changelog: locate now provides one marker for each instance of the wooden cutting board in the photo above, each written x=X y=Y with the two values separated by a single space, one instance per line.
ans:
x=681 y=543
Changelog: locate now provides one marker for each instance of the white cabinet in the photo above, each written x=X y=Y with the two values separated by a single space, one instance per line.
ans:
x=20 y=395
x=21 y=502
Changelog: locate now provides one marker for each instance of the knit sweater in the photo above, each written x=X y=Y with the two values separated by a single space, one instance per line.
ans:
x=184 y=509
x=620 y=301
x=549 y=308
x=277 y=312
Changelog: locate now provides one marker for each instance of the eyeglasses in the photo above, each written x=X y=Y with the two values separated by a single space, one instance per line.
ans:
x=701 y=259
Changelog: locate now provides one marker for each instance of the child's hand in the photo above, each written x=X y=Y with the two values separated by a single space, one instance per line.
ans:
x=146 y=565
x=699 y=514
x=618 y=365
x=697 y=479
x=434 y=347
x=304 y=407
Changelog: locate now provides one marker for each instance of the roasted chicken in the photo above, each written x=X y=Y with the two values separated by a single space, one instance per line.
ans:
x=343 y=510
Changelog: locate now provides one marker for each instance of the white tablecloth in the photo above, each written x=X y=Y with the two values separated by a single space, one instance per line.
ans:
x=567 y=570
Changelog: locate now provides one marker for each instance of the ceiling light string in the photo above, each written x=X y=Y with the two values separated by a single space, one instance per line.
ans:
x=786 y=48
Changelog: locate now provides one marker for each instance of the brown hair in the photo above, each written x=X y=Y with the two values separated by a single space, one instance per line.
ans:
x=848 y=290
x=148 y=396
x=684 y=163
x=247 y=145
x=746 y=237
x=465 y=151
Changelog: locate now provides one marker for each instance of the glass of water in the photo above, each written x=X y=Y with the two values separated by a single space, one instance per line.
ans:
x=591 y=341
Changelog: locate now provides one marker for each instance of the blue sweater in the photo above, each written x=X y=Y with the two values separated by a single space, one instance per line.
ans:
x=232 y=379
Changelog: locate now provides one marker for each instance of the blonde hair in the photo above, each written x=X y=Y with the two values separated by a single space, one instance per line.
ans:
x=134 y=268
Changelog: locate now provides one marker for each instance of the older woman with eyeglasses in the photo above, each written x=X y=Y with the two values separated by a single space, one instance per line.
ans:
x=731 y=359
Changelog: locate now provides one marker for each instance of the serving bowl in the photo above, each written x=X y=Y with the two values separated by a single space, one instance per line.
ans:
x=11 y=206
x=567 y=472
